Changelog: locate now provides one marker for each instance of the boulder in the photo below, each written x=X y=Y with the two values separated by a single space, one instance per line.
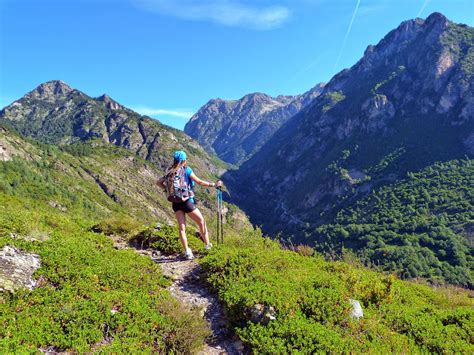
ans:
x=17 y=268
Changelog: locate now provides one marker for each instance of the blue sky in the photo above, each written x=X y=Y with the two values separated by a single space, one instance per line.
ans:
x=166 y=58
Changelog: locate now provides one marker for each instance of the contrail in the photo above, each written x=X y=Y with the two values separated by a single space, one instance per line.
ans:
x=425 y=4
x=347 y=34
x=308 y=67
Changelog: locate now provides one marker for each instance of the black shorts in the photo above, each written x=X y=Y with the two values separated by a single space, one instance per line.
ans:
x=186 y=206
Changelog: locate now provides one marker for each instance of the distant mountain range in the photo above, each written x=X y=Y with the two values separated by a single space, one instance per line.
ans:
x=55 y=113
x=236 y=129
x=378 y=160
x=406 y=104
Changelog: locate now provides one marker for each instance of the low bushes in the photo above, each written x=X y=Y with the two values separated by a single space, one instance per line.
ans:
x=311 y=299
x=90 y=296
x=165 y=239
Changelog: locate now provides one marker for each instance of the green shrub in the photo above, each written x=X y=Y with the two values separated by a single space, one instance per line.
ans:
x=312 y=309
x=123 y=226
x=91 y=296
x=165 y=239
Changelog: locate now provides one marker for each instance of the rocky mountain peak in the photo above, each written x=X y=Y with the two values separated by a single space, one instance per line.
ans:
x=236 y=129
x=409 y=29
x=436 y=18
x=51 y=89
x=391 y=49
x=109 y=102
x=54 y=113
x=257 y=97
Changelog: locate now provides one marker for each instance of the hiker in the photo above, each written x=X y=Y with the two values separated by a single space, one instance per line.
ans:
x=178 y=182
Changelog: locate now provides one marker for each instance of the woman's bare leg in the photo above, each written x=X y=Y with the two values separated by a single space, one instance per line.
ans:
x=181 y=217
x=197 y=217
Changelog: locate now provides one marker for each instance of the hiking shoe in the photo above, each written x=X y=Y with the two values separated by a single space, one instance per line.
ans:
x=189 y=254
x=209 y=246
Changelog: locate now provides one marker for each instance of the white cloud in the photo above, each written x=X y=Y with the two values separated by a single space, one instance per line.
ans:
x=233 y=13
x=149 y=111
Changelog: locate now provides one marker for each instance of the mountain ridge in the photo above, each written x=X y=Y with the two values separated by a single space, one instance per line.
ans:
x=235 y=129
x=56 y=113
x=404 y=106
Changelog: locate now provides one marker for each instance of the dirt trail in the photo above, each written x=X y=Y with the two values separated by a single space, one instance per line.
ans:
x=189 y=288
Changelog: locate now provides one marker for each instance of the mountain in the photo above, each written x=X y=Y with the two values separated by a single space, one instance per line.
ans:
x=78 y=223
x=236 y=129
x=420 y=226
x=55 y=113
x=405 y=105
x=97 y=178
x=66 y=214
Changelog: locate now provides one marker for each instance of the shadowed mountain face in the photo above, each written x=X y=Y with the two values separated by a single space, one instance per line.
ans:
x=409 y=102
x=236 y=129
x=58 y=114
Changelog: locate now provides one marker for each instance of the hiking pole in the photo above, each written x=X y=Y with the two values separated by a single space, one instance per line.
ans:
x=222 y=217
x=220 y=230
x=217 y=215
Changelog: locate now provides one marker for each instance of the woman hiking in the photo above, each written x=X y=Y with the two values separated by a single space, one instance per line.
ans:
x=179 y=182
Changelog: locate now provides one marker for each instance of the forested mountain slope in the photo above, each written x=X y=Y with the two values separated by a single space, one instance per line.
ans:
x=421 y=226
x=98 y=178
x=407 y=104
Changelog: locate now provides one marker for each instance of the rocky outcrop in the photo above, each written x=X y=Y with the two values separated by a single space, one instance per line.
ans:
x=110 y=103
x=236 y=129
x=103 y=186
x=378 y=110
x=13 y=146
x=17 y=268
x=4 y=153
